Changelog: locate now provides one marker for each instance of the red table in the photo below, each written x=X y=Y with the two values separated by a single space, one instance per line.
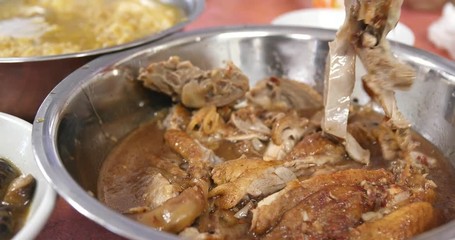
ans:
x=67 y=223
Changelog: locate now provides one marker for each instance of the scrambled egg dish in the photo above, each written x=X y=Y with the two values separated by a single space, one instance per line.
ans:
x=50 y=27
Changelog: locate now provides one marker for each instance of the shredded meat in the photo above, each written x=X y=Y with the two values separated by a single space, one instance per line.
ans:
x=194 y=87
x=283 y=94
x=384 y=72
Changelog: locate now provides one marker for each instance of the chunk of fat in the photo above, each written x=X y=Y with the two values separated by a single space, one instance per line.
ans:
x=192 y=233
x=159 y=191
x=271 y=198
x=355 y=151
x=285 y=174
x=274 y=152
x=289 y=138
x=179 y=212
x=339 y=83
x=272 y=180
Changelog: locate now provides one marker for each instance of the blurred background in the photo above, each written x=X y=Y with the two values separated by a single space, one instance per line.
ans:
x=417 y=15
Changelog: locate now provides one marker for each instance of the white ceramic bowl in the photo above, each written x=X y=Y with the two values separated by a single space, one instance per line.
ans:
x=15 y=145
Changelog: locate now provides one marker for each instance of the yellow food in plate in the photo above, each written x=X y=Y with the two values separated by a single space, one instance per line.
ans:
x=50 y=27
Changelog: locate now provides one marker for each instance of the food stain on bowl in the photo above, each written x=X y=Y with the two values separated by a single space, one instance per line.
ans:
x=61 y=27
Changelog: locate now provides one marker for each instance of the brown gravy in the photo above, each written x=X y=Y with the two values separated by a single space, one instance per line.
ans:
x=125 y=168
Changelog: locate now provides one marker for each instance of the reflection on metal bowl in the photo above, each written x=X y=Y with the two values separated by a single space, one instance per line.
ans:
x=26 y=81
x=87 y=113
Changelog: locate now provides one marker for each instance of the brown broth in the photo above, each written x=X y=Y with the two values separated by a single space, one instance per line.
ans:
x=125 y=165
x=121 y=174
x=443 y=175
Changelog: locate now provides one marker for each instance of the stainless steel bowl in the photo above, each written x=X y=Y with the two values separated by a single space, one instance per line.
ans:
x=26 y=81
x=94 y=107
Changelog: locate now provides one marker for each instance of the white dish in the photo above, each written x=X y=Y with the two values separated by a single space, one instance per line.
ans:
x=332 y=19
x=16 y=146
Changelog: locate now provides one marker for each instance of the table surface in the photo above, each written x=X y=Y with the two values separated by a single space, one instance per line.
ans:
x=66 y=223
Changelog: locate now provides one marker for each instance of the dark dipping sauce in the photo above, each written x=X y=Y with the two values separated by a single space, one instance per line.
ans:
x=122 y=179
x=16 y=192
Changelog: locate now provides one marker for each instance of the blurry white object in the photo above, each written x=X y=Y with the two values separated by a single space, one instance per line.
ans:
x=329 y=18
x=16 y=146
x=32 y=27
x=442 y=32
